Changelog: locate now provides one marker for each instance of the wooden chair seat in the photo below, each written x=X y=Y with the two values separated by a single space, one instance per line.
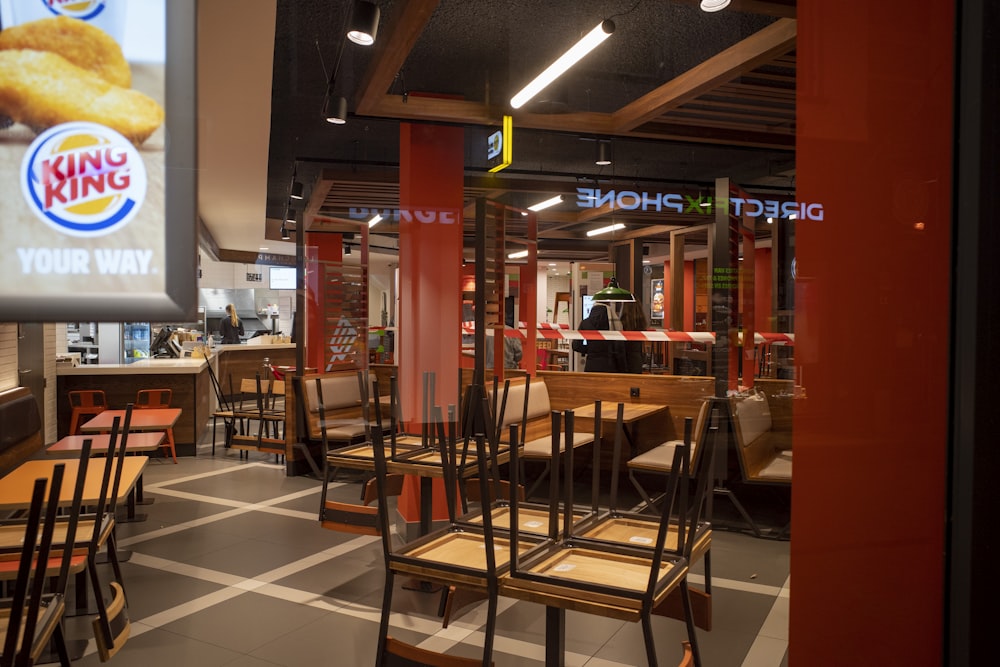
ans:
x=583 y=565
x=541 y=448
x=640 y=531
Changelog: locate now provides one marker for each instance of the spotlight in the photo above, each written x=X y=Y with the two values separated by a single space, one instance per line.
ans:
x=296 y=192
x=603 y=154
x=290 y=216
x=347 y=248
x=335 y=109
x=713 y=5
x=285 y=236
x=364 y=23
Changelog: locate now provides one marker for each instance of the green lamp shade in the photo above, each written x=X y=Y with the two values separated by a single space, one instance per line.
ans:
x=613 y=293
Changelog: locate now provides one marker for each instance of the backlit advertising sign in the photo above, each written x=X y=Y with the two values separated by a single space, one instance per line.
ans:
x=97 y=171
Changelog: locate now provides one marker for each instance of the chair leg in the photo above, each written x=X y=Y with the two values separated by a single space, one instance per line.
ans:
x=491 y=625
x=689 y=622
x=647 y=638
x=59 y=641
x=383 y=627
x=115 y=564
x=707 y=558
x=214 y=423
x=169 y=444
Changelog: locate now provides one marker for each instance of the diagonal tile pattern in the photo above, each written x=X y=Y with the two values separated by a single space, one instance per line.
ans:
x=232 y=569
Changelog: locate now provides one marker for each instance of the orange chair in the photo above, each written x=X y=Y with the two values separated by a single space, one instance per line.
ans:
x=149 y=399
x=153 y=398
x=85 y=403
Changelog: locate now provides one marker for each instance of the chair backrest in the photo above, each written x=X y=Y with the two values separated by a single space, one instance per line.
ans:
x=401 y=654
x=87 y=398
x=40 y=574
x=339 y=391
x=153 y=398
x=20 y=595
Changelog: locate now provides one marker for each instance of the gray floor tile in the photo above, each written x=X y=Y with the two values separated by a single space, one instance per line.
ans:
x=251 y=484
x=151 y=591
x=346 y=578
x=250 y=558
x=749 y=559
x=246 y=622
x=158 y=648
x=190 y=543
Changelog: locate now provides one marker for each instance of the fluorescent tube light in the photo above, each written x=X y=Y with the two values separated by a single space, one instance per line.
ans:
x=375 y=220
x=546 y=204
x=564 y=62
x=604 y=230
x=518 y=255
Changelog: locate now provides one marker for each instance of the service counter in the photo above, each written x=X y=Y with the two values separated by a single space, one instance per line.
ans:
x=188 y=379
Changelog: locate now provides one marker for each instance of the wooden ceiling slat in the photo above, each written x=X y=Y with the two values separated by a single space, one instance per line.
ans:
x=744 y=56
x=748 y=105
x=713 y=118
x=783 y=127
x=752 y=90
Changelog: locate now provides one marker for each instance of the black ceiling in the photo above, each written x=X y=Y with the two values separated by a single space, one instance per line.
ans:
x=484 y=51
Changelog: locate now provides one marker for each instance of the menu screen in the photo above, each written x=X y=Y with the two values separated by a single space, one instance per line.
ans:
x=84 y=127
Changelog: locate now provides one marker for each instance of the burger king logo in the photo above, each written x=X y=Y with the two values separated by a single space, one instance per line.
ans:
x=75 y=9
x=83 y=179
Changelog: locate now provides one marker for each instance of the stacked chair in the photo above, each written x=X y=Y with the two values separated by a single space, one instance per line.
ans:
x=30 y=619
x=626 y=581
x=464 y=552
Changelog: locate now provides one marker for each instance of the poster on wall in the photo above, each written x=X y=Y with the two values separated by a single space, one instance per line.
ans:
x=98 y=202
x=656 y=300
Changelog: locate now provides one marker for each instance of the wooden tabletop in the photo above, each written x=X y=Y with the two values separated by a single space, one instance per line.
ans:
x=16 y=486
x=152 y=419
x=146 y=441
x=609 y=411
x=408 y=461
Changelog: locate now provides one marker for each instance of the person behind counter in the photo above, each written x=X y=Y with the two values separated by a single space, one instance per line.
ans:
x=231 y=327
x=612 y=356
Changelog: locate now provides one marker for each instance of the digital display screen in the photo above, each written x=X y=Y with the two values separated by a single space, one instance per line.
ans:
x=282 y=277
x=97 y=170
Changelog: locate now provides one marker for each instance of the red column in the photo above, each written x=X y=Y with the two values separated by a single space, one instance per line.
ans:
x=874 y=147
x=431 y=192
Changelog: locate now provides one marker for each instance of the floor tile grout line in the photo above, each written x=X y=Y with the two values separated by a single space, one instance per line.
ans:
x=762 y=651
x=203 y=475
x=202 y=521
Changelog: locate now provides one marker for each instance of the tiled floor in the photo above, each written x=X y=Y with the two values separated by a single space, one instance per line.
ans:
x=232 y=568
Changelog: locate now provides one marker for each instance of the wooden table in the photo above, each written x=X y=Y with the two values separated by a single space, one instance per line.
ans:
x=152 y=419
x=145 y=441
x=633 y=413
x=15 y=487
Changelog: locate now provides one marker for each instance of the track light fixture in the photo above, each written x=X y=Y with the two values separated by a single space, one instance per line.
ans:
x=713 y=5
x=603 y=153
x=290 y=216
x=564 y=62
x=335 y=108
x=363 y=25
x=296 y=191
x=285 y=236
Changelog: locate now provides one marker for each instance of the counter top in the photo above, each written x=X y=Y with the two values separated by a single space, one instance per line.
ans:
x=254 y=346
x=140 y=367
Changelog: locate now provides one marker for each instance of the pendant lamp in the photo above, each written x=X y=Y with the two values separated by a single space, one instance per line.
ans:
x=613 y=293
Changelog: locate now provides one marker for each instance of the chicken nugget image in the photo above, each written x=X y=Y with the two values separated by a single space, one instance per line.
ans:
x=43 y=89
x=77 y=41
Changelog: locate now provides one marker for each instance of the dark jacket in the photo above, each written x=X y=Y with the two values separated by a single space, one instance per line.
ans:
x=607 y=356
x=230 y=334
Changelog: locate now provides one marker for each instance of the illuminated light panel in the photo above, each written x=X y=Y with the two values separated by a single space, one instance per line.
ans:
x=589 y=42
x=546 y=204
x=604 y=230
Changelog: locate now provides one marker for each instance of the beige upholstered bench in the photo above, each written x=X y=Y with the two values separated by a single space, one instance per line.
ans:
x=765 y=456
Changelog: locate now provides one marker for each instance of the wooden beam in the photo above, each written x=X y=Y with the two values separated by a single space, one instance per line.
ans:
x=402 y=29
x=774 y=40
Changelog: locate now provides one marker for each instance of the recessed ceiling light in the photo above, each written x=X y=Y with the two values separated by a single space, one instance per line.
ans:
x=518 y=255
x=605 y=230
x=264 y=248
x=552 y=263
